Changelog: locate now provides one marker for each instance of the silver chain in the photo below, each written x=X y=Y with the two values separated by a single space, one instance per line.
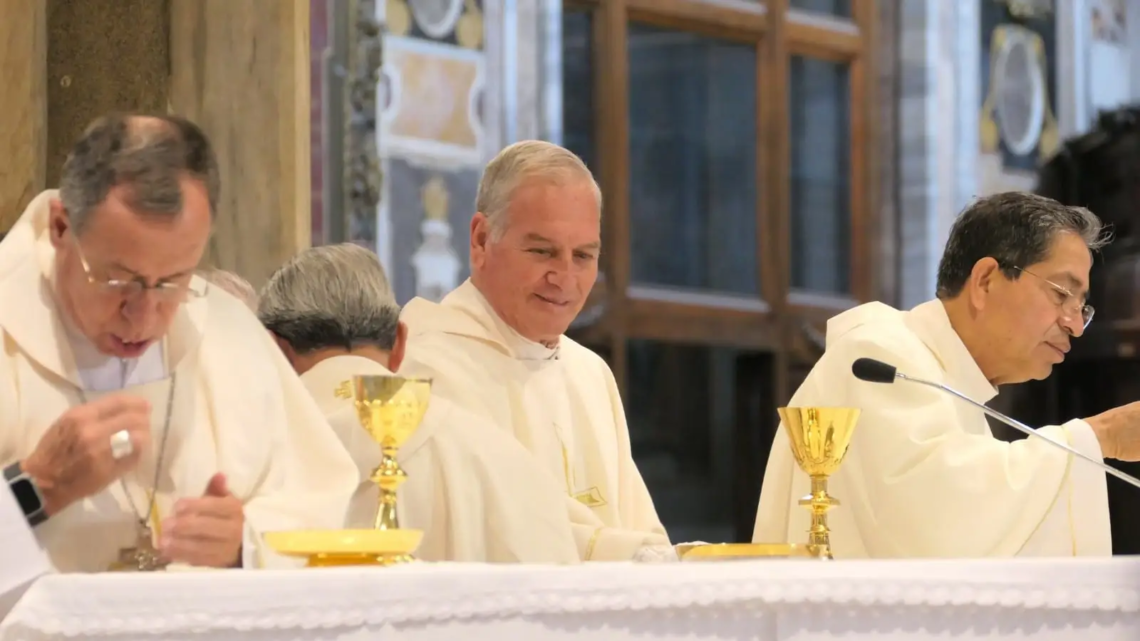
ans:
x=144 y=521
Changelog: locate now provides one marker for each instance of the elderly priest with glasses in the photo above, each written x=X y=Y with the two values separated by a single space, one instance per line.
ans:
x=924 y=476
x=148 y=420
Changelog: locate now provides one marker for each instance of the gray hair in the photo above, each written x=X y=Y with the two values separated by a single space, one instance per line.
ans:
x=235 y=285
x=331 y=296
x=150 y=154
x=1016 y=229
x=524 y=160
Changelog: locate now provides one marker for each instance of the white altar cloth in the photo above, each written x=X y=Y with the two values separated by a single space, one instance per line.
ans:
x=800 y=600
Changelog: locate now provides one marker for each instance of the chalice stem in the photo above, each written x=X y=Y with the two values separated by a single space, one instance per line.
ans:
x=386 y=518
x=819 y=535
x=388 y=476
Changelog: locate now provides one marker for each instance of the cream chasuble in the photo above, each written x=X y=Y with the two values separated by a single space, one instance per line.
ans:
x=238 y=408
x=474 y=491
x=561 y=405
x=924 y=476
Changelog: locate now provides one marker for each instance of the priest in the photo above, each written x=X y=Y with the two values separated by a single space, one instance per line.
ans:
x=148 y=418
x=473 y=490
x=924 y=476
x=496 y=347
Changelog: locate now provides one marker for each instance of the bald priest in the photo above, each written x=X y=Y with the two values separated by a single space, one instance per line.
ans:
x=924 y=477
x=148 y=420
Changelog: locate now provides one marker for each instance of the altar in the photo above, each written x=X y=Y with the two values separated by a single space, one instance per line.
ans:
x=788 y=600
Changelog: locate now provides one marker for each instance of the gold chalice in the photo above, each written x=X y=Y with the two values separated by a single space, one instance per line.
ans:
x=819 y=438
x=390 y=409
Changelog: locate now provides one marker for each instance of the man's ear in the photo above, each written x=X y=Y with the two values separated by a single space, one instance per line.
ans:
x=396 y=355
x=983 y=278
x=58 y=222
x=480 y=235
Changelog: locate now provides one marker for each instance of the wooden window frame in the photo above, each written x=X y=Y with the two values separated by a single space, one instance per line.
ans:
x=770 y=321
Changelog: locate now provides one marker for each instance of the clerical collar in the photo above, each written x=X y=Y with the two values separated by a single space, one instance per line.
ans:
x=100 y=373
x=522 y=347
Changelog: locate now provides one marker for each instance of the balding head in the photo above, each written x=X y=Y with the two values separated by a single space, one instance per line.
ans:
x=148 y=155
x=133 y=217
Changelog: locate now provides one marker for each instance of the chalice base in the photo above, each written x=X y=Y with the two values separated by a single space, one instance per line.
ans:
x=338 y=548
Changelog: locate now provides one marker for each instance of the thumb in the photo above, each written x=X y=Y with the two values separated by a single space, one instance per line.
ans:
x=217 y=486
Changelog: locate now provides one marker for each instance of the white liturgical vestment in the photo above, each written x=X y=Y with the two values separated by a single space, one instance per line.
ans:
x=472 y=489
x=924 y=475
x=561 y=405
x=237 y=408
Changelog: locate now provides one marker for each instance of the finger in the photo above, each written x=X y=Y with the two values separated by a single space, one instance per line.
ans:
x=99 y=440
x=218 y=507
x=217 y=486
x=201 y=527
x=195 y=552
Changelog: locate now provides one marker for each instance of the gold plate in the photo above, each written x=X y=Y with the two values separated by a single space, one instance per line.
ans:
x=347 y=547
x=740 y=551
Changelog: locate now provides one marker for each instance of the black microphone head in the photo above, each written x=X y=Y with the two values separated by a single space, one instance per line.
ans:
x=873 y=371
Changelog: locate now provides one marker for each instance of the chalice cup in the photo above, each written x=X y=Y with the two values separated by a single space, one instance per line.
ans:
x=390 y=409
x=819 y=439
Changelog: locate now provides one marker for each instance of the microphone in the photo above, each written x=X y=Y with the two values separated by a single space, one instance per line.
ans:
x=873 y=371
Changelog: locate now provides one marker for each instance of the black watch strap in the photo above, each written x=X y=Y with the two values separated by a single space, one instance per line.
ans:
x=27 y=494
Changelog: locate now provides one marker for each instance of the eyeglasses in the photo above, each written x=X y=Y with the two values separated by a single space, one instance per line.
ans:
x=1070 y=304
x=131 y=289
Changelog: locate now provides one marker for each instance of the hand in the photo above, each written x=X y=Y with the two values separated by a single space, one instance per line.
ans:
x=206 y=531
x=1118 y=431
x=73 y=459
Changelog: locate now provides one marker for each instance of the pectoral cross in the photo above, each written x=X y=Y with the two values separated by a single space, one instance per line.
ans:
x=142 y=557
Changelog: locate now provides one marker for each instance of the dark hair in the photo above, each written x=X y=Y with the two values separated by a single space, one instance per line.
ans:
x=1016 y=229
x=331 y=296
x=149 y=153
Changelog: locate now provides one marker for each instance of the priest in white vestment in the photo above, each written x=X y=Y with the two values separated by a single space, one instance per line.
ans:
x=150 y=418
x=924 y=476
x=496 y=346
x=474 y=491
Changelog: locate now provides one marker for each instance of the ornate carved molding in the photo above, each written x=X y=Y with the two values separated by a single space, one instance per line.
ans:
x=362 y=160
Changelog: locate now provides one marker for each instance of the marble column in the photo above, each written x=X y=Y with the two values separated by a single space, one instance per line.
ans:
x=241 y=71
x=938 y=134
x=524 y=70
x=23 y=119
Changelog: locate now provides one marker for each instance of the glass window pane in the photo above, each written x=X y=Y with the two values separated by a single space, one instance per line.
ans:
x=840 y=8
x=578 y=85
x=821 y=176
x=681 y=403
x=692 y=155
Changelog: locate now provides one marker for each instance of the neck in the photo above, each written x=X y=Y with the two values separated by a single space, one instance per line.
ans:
x=964 y=321
x=307 y=361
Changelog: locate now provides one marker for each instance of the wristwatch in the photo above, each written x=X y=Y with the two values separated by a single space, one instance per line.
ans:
x=26 y=493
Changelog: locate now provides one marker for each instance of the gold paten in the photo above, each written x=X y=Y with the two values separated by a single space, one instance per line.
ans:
x=390 y=409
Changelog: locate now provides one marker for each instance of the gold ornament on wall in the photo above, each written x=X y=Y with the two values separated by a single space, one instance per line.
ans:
x=1018 y=95
x=469 y=29
x=989 y=133
x=435 y=198
x=398 y=17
